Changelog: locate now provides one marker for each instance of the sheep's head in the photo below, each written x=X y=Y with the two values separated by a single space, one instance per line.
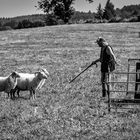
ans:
x=12 y=80
x=41 y=75
x=45 y=71
x=15 y=75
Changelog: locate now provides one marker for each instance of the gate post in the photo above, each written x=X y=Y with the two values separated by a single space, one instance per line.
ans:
x=137 y=85
x=108 y=93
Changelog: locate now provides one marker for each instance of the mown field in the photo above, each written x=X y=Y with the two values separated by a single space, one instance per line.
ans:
x=66 y=111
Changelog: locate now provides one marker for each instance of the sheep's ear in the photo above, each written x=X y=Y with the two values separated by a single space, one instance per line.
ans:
x=15 y=74
x=37 y=72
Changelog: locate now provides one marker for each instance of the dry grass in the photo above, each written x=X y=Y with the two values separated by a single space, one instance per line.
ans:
x=62 y=110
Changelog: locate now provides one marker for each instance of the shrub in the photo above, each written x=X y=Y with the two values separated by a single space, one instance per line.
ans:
x=13 y=24
x=125 y=20
x=115 y=19
x=138 y=18
x=133 y=19
x=3 y=28
x=38 y=24
x=89 y=21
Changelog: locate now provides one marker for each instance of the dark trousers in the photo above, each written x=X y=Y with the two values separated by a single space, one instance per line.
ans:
x=104 y=79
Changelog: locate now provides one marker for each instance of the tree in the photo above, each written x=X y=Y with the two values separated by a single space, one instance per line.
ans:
x=62 y=9
x=99 y=13
x=51 y=20
x=11 y=23
x=26 y=23
x=135 y=13
x=0 y=23
x=109 y=11
x=20 y=25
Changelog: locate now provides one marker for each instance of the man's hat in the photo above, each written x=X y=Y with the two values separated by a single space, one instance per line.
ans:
x=100 y=39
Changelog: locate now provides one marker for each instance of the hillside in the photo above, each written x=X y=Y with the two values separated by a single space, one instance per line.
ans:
x=129 y=13
x=76 y=17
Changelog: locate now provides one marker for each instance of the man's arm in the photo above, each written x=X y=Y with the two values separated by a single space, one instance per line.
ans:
x=110 y=52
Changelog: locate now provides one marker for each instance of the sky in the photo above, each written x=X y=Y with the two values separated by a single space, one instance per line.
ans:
x=13 y=8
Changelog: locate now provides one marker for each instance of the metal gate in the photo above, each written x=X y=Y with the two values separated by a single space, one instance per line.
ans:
x=124 y=87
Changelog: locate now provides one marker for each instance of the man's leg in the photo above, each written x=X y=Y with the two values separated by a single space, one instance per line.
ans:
x=104 y=79
x=108 y=78
x=103 y=82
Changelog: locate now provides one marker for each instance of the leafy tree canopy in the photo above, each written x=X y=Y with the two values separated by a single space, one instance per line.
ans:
x=109 y=11
x=62 y=9
x=99 y=13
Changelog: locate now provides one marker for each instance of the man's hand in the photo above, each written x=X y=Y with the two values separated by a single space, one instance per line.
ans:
x=95 y=62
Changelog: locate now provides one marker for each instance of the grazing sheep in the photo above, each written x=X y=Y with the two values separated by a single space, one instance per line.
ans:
x=30 y=82
x=8 y=83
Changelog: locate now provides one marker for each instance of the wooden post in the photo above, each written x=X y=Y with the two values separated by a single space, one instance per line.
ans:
x=128 y=68
x=137 y=85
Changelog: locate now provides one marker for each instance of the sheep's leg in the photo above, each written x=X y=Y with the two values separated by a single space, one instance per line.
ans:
x=12 y=93
x=34 y=94
x=8 y=94
x=18 y=93
x=30 y=93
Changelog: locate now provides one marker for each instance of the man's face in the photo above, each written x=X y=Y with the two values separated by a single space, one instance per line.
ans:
x=100 y=44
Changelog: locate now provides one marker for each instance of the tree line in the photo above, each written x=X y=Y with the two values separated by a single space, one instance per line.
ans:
x=20 y=22
x=130 y=13
x=61 y=12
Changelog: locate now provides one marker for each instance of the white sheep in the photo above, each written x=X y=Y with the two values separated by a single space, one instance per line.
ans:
x=8 y=83
x=30 y=82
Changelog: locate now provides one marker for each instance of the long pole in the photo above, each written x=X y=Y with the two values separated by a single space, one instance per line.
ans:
x=93 y=63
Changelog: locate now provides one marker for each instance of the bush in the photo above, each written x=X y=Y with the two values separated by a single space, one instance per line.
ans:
x=104 y=21
x=38 y=24
x=133 y=19
x=115 y=19
x=13 y=24
x=26 y=23
x=89 y=21
x=3 y=28
x=138 y=18
x=125 y=20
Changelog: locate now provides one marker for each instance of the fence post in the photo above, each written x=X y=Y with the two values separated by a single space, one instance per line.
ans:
x=137 y=85
x=128 y=68
x=108 y=92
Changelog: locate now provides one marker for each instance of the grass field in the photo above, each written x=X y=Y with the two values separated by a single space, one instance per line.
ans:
x=66 y=111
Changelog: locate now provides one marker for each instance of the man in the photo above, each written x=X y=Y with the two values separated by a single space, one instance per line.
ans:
x=108 y=61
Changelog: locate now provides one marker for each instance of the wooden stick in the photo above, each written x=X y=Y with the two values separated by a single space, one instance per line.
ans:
x=93 y=63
